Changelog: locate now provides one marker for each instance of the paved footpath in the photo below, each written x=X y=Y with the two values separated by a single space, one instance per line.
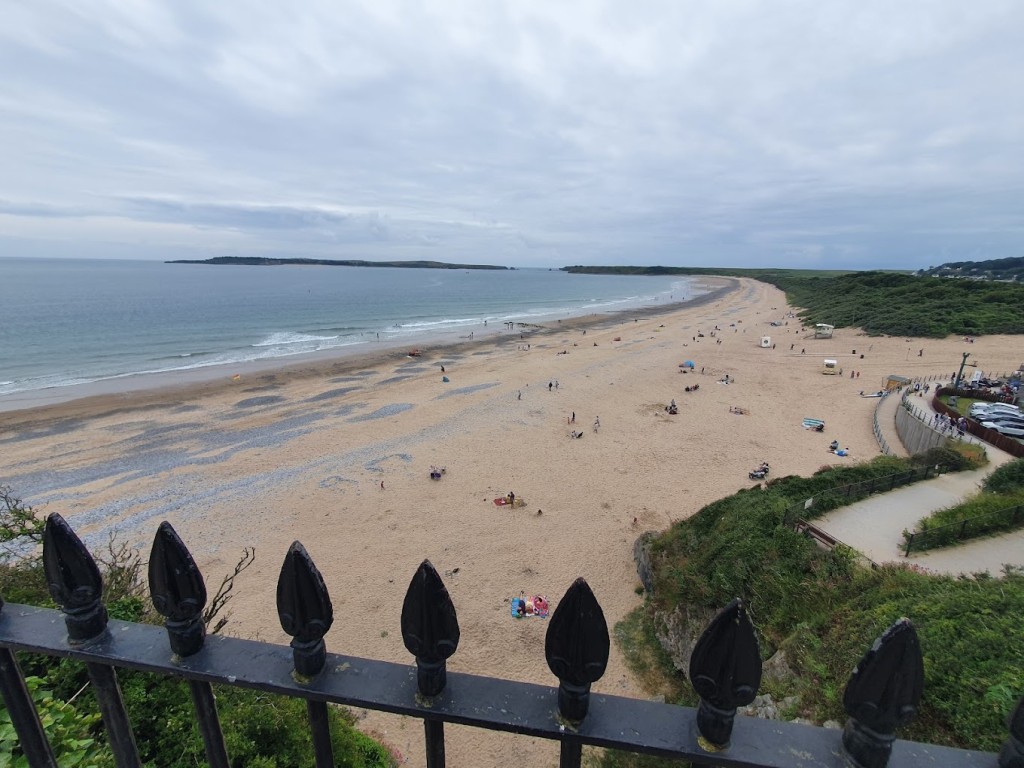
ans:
x=875 y=525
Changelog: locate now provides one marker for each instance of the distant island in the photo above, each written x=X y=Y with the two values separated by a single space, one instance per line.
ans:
x=260 y=261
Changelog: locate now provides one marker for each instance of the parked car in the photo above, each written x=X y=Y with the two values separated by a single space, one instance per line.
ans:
x=998 y=424
x=1009 y=431
x=992 y=408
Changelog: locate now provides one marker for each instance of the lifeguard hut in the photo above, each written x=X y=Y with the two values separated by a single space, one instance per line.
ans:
x=766 y=342
x=823 y=330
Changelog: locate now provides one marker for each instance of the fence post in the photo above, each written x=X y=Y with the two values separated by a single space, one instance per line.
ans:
x=576 y=648
x=882 y=694
x=305 y=611
x=1012 y=753
x=22 y=711
x=76 y=586
x=430 y=631
x=725 y=671
x=179 y=595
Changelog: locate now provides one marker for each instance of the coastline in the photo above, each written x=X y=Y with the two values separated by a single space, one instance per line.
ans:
x=134 y=390
x=337 y=453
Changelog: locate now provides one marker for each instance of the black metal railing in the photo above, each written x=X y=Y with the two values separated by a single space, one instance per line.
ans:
x=935 y=536
x=832 y=498
x=725 y=670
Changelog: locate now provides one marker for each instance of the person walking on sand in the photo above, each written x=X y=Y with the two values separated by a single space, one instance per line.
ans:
x=573 y=418
x=519 y=395
x=382 y=485
x=550 y=385
x=597 y=423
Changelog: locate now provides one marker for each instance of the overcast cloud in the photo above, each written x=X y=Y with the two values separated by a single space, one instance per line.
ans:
x=804 y=134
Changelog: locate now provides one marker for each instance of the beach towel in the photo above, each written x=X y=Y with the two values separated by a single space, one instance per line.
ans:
x=812 y=423
x=503 y=502
x=527 y=607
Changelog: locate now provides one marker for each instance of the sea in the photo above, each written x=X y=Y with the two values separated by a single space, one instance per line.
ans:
x=69 y=323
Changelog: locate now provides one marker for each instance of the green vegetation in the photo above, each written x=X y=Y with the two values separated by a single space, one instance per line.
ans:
x=824 y=611
x=260 y=730
x=882 y=303
x=1000 y=506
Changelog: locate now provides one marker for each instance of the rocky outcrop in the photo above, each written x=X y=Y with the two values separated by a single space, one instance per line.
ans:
x=679 y=631
x=642 y=557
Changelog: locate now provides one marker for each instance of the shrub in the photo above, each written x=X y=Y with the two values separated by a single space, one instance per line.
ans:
x=1007 y=478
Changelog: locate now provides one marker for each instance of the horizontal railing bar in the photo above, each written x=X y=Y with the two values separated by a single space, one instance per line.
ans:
x=485 y=702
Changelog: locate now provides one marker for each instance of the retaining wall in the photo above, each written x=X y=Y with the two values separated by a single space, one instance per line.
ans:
x=916 y=436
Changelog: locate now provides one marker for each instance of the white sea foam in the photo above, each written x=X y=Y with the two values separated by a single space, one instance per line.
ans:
x=288 y=337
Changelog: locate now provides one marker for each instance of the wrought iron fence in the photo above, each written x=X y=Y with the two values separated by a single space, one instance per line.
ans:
x=725 y=670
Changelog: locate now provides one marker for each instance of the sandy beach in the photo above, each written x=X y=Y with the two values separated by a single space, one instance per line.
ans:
x=336 y=453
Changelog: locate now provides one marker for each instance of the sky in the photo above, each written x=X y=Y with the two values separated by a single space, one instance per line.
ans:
x=852 y=134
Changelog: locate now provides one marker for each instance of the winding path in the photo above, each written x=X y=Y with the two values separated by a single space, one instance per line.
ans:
x=874 y=526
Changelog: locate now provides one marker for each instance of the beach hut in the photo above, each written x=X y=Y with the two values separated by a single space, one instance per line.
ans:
x=766 y=342
x=823 y=330
x=830 y=367
x=895 y=382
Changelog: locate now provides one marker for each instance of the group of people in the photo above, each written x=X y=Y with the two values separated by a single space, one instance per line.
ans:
x=945 y=423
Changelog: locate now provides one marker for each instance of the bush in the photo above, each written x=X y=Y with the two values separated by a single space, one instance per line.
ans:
x=1008 y=478
x=826 y=612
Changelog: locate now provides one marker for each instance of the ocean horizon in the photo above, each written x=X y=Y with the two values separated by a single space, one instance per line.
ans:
x=75 y=322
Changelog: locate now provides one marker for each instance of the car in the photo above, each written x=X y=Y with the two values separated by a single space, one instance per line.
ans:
x=1001 y=424
x=990 y=408
x=1009 y=431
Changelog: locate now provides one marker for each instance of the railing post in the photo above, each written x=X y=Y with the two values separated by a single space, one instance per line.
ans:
x=24 y=718
x=76 y=586
x=306 y=613
x=179 y=595
x=1012 y=753
x=576 y=648
x=725 y=671
x=883 y=693
x=430 y=631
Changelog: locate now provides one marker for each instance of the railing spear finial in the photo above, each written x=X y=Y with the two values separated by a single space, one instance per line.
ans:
x=883 y=693
x=305 y=610
x=1012 y=753
x=725 y=671
x=178 y=591
x=73 y=580
x=576 y=648
x=430 y=628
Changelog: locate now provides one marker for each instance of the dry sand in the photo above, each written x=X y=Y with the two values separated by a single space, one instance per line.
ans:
x=301 y=454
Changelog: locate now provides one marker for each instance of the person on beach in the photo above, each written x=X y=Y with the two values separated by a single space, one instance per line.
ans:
x=550 y=385
x=597 y=423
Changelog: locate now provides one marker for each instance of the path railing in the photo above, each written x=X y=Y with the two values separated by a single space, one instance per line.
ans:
x=882 y=444
x=842 y=495
x=883 y=691
x=969 y=528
